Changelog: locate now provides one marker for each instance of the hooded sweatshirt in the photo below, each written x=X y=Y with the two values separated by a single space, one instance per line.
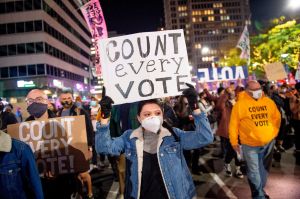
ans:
x=254 y=122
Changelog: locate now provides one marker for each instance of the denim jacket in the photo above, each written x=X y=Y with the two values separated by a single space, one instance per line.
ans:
x=175 y=173
x=19 y=178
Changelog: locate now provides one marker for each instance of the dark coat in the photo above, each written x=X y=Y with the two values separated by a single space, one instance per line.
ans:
x=88 y=123
x=7 y=119
x=224 y=107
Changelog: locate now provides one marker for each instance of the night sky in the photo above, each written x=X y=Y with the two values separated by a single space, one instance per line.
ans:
x=131 y=16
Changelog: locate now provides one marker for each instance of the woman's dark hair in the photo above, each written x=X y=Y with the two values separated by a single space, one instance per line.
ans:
x=220 y=89
x=54 y=108
x=272 y=87
x=201 y=94
x=180 y=106
x=141 y=104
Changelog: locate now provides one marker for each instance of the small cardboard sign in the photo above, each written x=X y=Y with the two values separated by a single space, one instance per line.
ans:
x=144 y=65
x=59 y=144
x=275 y=71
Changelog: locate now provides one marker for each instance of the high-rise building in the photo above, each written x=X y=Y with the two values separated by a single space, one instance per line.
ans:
x=211 y=27
x=43 y=44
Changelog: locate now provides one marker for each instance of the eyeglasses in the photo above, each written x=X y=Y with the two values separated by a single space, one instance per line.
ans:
x=37 y=100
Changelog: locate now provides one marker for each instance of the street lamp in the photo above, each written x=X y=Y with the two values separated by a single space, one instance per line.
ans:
x=294 y=4
x=205 y=50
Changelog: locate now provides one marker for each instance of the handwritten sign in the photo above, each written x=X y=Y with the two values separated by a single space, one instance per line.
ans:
x=275 y=71
x=59 y=144
x=222 y=73
x=144 y=65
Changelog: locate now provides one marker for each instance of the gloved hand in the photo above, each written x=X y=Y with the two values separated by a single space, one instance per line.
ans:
x=192 y=96
x=106 y=105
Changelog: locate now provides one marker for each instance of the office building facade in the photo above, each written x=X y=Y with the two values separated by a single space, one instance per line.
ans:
x=211 y=27
x=43 y=44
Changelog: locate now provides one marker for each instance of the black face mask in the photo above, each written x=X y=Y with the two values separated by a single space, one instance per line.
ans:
x=66 y=104
x=37 y=109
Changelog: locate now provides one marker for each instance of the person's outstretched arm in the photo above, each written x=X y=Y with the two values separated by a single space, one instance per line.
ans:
x=202 y=135
x=103 y=142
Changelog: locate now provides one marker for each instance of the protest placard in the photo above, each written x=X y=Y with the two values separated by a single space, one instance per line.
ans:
x=59 y=144
x=275 y=71
x=144 y=65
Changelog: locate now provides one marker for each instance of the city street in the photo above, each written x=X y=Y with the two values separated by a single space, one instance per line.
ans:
x=283 y=181
x=149 y=79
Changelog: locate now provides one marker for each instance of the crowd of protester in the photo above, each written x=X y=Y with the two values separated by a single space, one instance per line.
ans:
x=129 y=137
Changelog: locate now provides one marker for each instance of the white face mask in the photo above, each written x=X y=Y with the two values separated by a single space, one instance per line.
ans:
x=152 y=124
x=256 y=94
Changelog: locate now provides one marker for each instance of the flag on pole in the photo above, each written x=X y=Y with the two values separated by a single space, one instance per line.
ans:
x=244 y=44
x=94 y=18
x=297 y=74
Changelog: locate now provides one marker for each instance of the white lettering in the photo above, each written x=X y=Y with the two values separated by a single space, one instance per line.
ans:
x=62 y=165
x=21 y=132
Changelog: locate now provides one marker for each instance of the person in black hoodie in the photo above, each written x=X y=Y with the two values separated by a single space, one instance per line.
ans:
x=70 y=109
x=282 y=103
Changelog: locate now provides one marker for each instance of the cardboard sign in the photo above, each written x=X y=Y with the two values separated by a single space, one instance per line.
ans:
x=222 y=73
x=59 y=144
x=275 y=71
x=144 y=65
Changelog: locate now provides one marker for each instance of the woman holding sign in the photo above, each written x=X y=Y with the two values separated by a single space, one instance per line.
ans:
x=155 y=165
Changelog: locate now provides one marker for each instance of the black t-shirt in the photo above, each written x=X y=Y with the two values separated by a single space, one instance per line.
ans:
x=152 y=182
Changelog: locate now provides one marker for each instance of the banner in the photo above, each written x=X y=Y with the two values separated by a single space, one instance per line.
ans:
x=275 y=71
x=94 y=18
x=59 y=144
x=144 y=65
x=222 y=73
x=244 y=44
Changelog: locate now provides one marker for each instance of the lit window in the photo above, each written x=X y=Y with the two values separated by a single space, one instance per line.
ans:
x=217 y=5
x=230 y=30
x=197 y=46
x=182 y=14
x=182 y=8
x=222 y=11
